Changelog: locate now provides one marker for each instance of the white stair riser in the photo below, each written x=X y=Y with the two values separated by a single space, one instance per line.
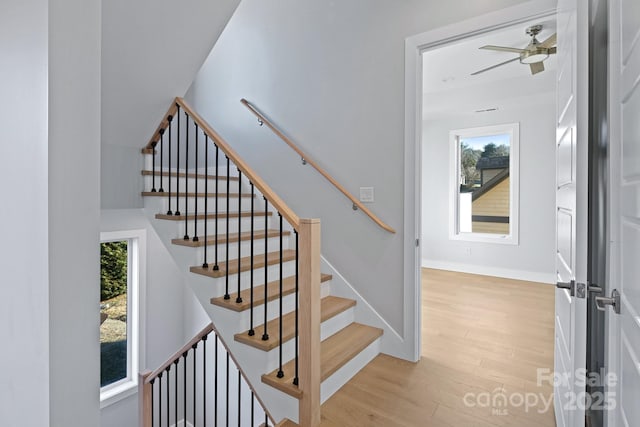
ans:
x=348 y=371
x=245 y=226
x=190 y=182
x=197 y=254
x=191 y=202
x=273 y=311
x=216 y=286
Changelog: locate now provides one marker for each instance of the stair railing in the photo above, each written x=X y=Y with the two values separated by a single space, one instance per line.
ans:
x=356 y=204
x=183 y=127
x=176 y=391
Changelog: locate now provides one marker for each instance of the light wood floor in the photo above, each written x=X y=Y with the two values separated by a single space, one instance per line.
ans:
x=481 y=336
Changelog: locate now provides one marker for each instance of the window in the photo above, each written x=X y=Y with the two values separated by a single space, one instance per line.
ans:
x=121 y=284
x=484 y=184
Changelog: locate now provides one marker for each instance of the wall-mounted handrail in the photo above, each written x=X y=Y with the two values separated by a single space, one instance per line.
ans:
x=356 y=203
x=248 y=172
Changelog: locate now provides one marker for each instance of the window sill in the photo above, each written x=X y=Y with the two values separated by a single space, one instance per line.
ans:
x=117 y=393
x=485 y=238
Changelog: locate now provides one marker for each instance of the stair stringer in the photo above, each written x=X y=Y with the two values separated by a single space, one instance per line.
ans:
x=391 y=342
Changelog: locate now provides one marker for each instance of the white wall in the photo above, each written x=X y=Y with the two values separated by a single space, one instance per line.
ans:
x=331 y=75
x=164 y=303
x=534 y=257
x=74 y=211
x=24 y=318
x=151 y=51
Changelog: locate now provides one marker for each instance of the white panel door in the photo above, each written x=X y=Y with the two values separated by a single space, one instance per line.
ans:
x=623 y=399
x=571 y=211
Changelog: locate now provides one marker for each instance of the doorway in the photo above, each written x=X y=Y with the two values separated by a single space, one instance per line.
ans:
x=487 y=217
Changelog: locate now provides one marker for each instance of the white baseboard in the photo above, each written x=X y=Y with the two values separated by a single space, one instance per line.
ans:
x=507 y=273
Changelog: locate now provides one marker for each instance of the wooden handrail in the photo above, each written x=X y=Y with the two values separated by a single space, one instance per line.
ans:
x=146 y=377
x=196 y=339
x=258 y=182
x=263 y=120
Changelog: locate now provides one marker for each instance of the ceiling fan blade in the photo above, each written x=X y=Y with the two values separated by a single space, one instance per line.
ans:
x=495 y=66
x=537 y=67
x=553 y=50
x=551 y=41
x=503 y=49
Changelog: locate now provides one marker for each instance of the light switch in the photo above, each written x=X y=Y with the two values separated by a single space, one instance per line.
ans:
x=366 y=194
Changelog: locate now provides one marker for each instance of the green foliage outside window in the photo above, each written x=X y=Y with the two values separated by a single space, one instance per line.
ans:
x=113 y=269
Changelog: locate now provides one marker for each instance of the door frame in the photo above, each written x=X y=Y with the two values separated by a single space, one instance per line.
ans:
x=414 y=47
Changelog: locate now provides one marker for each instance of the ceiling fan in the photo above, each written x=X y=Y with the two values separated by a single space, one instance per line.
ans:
x=533 y=55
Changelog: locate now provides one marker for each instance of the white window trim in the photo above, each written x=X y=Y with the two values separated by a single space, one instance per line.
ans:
x=512 y=238
x=136 y=289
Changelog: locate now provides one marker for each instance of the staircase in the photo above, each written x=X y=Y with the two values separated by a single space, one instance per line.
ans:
x=255 y=268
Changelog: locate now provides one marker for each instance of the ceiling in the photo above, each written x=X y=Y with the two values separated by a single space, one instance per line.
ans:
x=449 y=88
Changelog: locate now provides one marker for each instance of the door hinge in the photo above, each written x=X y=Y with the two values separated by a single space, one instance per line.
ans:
x=417 y=242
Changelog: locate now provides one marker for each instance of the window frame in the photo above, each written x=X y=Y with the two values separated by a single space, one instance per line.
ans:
x=136 y=289
x=513 y=129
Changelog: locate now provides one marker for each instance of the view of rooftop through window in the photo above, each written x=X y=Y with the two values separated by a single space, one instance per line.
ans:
x=484 y=189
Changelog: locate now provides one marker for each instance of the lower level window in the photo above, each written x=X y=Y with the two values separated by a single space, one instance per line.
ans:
x=119 y=313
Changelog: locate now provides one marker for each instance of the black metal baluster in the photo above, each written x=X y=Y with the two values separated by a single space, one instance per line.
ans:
x=160 y=399
x=184 y=384
x=161 y=190
x=194 y=347
x=153 y=169
x=265 y=335
x=253 y=398
x=195 y=210
x=239 y=397
x=238 y=297
x=177 y=212
x=168 y=393
x=280 y=372
x=227 y=393
x=226 y=252
x=153 y=415
x=170 y=119
x=266 y=420
x=295 y=378
x=215 y=384
x=204 y=380
x=206 y=197
x=251 y=331
x=215 y=265
x=175 y=392
x=186 y=177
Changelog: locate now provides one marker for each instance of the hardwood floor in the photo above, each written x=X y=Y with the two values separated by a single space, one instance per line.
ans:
x=483 y=338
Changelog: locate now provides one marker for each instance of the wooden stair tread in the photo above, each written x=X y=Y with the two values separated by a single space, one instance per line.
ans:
x=192 y=194
x=222 y=238
x=329 y=307
x=221 y=215
x=273 y=292
x=245 y=263
x=335 y=352
x=188 y=175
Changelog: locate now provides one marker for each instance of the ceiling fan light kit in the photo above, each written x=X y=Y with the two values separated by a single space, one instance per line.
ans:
x=533 y=55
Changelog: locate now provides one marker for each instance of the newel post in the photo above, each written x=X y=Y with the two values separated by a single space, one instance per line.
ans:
x=144 y=399
x=309 y=309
